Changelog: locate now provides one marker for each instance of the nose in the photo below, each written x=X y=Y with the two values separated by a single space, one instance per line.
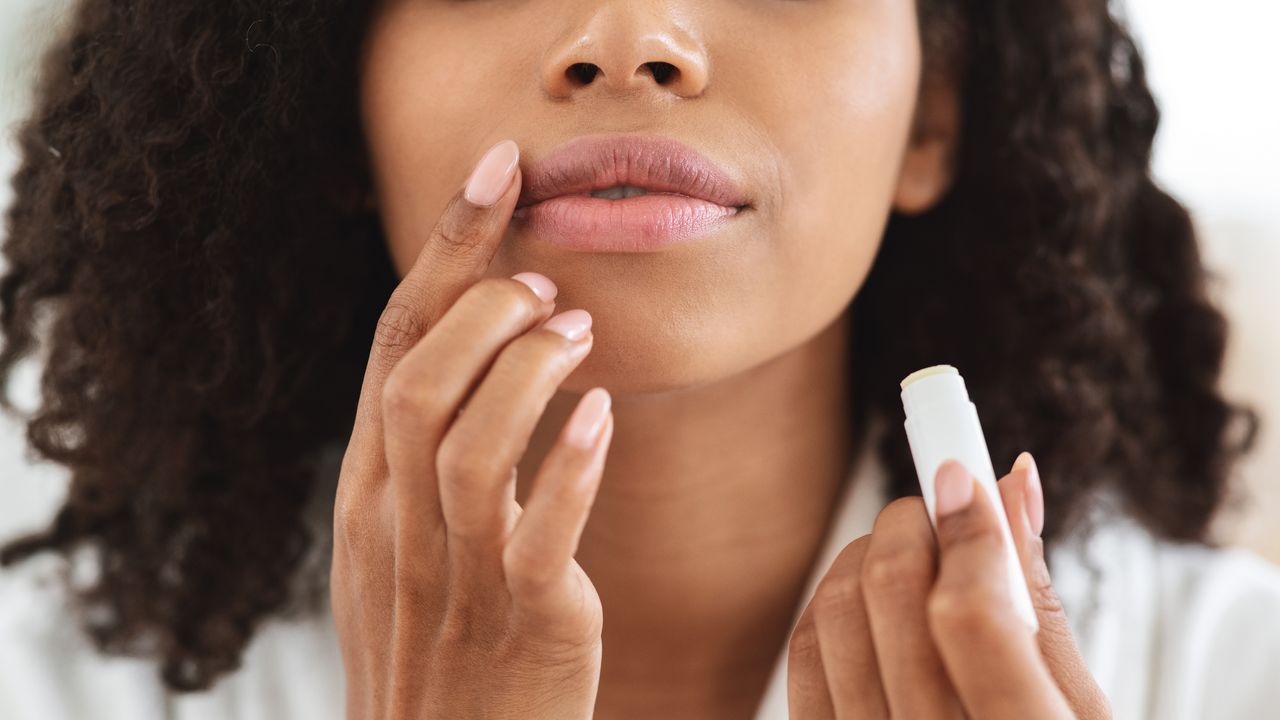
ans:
x=627 y=47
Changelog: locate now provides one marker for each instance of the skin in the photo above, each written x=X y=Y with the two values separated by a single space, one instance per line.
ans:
x=895 y=624
x=717 y=448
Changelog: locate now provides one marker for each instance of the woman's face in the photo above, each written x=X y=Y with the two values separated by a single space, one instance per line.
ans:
x=808 y=104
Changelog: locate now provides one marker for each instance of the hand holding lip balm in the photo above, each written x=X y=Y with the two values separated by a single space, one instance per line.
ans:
x=927 y=615
x=942 y=423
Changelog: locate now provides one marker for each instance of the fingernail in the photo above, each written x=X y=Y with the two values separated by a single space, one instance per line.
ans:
x=1020 y=462
x=540 y=284
x=570 y=323
x=493 y=174
x=954 y=488
x=1035 y=493
x=588 y=418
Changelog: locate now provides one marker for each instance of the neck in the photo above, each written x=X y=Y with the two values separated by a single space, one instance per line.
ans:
x=713 y=505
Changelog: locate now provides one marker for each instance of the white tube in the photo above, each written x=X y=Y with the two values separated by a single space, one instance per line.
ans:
x=943 y=423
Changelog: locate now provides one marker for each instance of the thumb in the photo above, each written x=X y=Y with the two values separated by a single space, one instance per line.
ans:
x=1023 y=498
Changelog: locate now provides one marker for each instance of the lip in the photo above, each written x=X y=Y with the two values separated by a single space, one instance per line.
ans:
x=689 y=194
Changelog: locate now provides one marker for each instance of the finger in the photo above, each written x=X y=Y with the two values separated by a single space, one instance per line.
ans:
x=844 y=638
x=1023 y=499
x=897 y=576
x=971 y=613
x=456 y=253
x=424 y=392
x=485 y=443
x=807 y=695
x=545 y=539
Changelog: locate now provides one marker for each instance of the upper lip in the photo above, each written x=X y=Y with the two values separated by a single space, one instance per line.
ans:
x=655 y=163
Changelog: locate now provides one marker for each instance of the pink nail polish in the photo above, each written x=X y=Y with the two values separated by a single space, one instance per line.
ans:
x=588 y=418
x=540 y=284
x=572 y=324
x=1035 y=497
x=493 y=174
x=954 y=488
x=1021 y=461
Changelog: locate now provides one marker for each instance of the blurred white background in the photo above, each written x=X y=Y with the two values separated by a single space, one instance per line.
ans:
x=1214 y=69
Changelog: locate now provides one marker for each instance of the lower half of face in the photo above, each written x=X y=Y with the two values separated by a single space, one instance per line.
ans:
x=808 y=105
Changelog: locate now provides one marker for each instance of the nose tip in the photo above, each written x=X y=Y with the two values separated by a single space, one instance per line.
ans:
x=622 y=54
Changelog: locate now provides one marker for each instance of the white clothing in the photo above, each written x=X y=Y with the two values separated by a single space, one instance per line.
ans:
x=1170 y=631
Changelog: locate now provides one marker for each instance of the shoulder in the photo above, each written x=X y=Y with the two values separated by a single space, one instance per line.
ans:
x=1173 y=630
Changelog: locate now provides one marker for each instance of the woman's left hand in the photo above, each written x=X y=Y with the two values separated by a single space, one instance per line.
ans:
x=903 y=626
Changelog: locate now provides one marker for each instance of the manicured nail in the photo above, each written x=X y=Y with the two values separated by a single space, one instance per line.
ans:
x=588 y=418
x=570 y=323
x=540 y=284
x=954 y=488
x=1020 y=462
x=493 y=174
x=1035 y=493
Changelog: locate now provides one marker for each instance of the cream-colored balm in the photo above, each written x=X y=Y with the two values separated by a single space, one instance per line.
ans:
x=942 y=423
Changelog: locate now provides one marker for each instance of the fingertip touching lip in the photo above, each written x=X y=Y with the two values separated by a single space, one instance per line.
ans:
x=656 y=163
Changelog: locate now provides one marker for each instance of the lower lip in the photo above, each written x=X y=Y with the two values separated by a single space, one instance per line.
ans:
x=643 y=223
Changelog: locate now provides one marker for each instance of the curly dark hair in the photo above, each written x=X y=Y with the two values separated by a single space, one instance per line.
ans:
x=188 y=211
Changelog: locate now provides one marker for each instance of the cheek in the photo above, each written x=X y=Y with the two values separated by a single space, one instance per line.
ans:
x=841 y=135
x=423 y=87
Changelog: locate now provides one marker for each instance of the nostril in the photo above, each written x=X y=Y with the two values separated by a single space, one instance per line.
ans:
x=585 y=73
x=661 y=71
x=582 y=72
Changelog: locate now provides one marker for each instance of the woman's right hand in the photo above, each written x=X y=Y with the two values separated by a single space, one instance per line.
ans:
x=450 y=599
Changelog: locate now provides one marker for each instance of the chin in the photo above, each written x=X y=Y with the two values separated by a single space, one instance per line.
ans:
x=625 y=372
x=640 y=364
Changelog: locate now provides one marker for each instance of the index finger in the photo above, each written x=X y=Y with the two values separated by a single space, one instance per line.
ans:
x=455 y=256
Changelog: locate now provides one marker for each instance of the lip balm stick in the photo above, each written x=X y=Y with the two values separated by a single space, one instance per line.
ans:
x=942 y=423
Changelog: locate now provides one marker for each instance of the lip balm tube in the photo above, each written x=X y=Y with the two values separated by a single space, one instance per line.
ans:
x=942 y=423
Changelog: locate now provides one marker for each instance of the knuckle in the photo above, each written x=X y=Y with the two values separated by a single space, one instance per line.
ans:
x=894 y=571
x=1043 y=597
x=459 y=458
x=529 y=574
x=836 y=596
x=458 y=235
x=1046 y=601
x=404 y=400
x=498 y=302
x=965 y=613
x=355 y=522
x=508 y=298
x=348 y=514
x=802 y=647
x=400 y=325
